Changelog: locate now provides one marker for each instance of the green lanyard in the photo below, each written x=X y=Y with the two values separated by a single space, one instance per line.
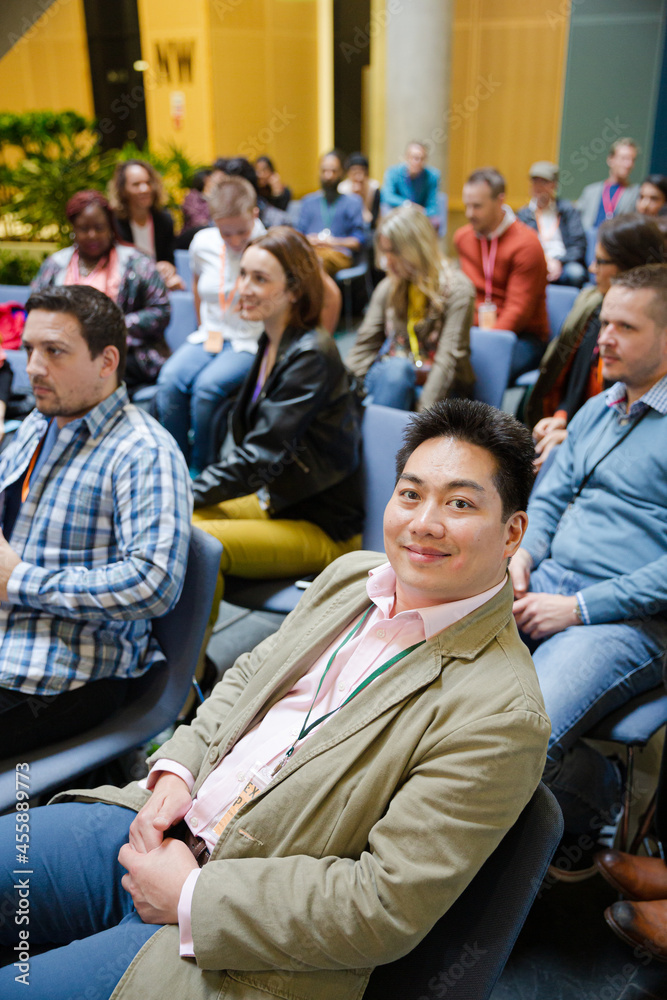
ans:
x=328 y=211
x=305 y=729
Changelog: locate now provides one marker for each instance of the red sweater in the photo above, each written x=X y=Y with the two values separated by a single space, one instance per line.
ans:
x=519 y=278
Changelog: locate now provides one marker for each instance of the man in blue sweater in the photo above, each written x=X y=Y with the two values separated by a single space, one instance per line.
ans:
x=590 y=580
x=413 y=182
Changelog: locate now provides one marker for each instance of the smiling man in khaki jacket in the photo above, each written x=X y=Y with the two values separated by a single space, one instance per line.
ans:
x=343 y=783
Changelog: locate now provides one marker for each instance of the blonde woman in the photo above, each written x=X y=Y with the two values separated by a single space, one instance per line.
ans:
x=413 y=346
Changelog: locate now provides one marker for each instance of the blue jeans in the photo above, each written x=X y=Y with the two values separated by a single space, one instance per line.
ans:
x=526 y=356
x=573 y=273
x=190 y=386
x=585 y=673
x=74 y=900
x=391 y=381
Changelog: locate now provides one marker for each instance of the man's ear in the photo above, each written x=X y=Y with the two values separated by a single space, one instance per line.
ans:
x=515 y=529
x=255 y=212
x=110 y=361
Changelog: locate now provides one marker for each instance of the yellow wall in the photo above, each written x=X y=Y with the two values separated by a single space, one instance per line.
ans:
x=507 y=81
x=377 y=77
x=171 y=29
x=265 y=84
x=48 y=69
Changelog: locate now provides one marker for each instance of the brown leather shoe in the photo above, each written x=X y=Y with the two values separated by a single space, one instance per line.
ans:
x=634 y=877
x=642 y=924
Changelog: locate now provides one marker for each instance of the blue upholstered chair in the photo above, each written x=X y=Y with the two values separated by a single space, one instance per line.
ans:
x=491 y=359
x=182 y=262
x=633 y=725
x=591 y=240
x=382 y=432
x=182 y=323
x=15 y=293
x=156 y=699
x=462 y=957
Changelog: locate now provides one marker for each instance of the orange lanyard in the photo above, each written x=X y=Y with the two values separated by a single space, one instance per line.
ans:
x=25 y=488
x=552 y=232
x=225 y=300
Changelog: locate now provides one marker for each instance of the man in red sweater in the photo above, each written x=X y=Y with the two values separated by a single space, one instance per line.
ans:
x=504 y=260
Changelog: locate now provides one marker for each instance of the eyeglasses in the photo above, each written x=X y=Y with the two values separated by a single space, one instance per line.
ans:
x=599 y=261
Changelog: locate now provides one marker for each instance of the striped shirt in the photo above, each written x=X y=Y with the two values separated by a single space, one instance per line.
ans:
x=103 y=539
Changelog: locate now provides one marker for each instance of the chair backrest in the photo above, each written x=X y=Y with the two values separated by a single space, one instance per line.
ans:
x=478 y=932
x=560 y=299
x=382 y=432
x=156 y=698
x=182 y=261
x=491 y=359
x=183 y=320
x=15 y=293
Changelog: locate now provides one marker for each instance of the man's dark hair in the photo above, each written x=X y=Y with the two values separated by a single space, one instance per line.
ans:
x=652 y=278
x=658 y=181
x=238 y=166
x=340 y=156
x=357 y=160
x=101 y=321
x=490 y=176
x=508 y=441
x=631 y=240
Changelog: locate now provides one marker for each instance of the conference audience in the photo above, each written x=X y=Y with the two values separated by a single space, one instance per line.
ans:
x=357 y=181
x=128 y=277
x=284 y=496
x=414 y=182
x=306 y=828
x=571 y=369
x=413 y=347
x=558 y=225
x=269 y=184
x=333 y=222
x=209 y=368
x=590 y=577
x=136 y=196
x=505 y=262
x=95 y=526
x=652 y=197
x=615 y=196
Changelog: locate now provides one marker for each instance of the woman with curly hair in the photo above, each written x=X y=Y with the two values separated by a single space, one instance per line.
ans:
x=128 y=277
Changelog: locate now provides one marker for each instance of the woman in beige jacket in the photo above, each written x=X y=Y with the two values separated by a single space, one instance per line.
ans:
x=413 y=347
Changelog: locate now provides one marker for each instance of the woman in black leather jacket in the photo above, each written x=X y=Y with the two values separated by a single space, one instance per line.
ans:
x=284 y=497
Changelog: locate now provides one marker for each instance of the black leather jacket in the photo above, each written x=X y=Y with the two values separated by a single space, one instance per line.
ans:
x=299 y=442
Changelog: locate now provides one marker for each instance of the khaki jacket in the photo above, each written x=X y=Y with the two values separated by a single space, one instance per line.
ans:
x=373 y=828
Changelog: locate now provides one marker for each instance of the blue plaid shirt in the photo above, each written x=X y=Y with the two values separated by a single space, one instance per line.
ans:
x=103 y=539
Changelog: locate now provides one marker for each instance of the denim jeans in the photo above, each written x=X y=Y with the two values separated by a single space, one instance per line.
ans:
x=390 y=381
x=74 y=900
x=191 y=385
x=526 y=356
x=585 y=673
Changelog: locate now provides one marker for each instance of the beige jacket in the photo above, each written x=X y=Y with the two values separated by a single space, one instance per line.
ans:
x=451 y=371
x=374 y=827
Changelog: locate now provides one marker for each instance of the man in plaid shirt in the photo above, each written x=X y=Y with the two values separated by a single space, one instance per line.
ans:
x=95 y=512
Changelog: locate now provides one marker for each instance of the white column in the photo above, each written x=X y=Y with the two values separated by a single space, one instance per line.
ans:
x=418 y=54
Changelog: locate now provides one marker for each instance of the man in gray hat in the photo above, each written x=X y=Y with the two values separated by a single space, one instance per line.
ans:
x=558 y=225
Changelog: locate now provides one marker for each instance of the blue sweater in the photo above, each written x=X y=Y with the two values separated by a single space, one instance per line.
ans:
x=398 y=187
x=615 y=534
x=344 y=219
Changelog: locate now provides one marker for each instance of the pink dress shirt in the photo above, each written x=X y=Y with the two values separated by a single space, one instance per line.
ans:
x=382 y=636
